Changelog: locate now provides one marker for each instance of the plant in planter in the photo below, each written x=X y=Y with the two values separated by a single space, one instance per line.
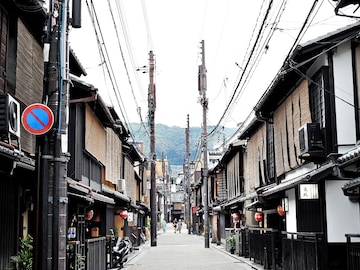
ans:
x=231 y=243
x=24 y=258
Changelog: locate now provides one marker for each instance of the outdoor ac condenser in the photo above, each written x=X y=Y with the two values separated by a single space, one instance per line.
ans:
x=9 y=116
x=310 y=140
x=121 y=185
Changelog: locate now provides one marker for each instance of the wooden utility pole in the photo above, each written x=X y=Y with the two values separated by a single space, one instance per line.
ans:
x=164 y=185
x=204 y=103
x=152 y=107
x=187 y=176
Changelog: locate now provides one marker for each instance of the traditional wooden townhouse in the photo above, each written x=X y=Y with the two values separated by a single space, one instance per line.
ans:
x=133 y=184
x=197 y=204
x=297 y=152
x=21 y=80
x=227 y=192
x=103 y=186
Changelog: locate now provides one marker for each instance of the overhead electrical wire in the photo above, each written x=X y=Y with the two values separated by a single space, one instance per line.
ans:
x=124 y=26
x=245 y=68
x=123 y=57
x=104 y=54
x=147 y=24
x=304 y=27
x=236 y=94
x=323 y=88
x=129 y=47
x=259 y=53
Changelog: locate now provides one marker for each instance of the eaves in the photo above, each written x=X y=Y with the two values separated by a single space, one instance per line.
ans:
x=313 y=175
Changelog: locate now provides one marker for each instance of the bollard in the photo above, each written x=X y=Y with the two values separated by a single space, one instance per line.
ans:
x=266 y=262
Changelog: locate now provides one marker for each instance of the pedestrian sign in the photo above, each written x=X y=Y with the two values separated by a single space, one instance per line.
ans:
x=37 y=119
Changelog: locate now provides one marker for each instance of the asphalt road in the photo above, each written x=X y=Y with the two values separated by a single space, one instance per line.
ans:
x=185 y=252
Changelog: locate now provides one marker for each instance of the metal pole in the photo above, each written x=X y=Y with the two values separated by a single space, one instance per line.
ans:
x=55 y=95
x=204 y=103
x=152 y=106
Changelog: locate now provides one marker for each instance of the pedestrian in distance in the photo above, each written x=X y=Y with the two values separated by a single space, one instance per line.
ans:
x=164 y=225
x=175 y=224
x=179 y=225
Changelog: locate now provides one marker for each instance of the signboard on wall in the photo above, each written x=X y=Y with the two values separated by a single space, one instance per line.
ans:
x=309 y=191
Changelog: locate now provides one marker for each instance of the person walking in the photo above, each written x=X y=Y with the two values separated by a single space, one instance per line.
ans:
x=179 y=225
x=175 y=224
x=164 y=225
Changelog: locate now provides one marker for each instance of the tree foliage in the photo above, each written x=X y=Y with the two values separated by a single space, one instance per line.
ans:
x=23 y=260
x=172 y=141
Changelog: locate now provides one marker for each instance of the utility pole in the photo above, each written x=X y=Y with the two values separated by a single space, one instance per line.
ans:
x=51 y=225
x=187 y=176
x=164 y=185
x=152 y=106
x=204 y=103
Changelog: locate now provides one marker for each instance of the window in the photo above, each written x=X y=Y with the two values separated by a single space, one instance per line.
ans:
x=322 y=107
x=317 y=88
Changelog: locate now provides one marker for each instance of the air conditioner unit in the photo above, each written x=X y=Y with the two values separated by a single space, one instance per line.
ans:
x=310 y=141
x=121 y=185
x=9 y=116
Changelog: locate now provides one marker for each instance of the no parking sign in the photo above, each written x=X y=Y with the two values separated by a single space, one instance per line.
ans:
x=37 y=119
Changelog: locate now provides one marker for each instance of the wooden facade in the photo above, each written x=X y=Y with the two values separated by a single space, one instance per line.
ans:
x=21 y=69
x=293 y=186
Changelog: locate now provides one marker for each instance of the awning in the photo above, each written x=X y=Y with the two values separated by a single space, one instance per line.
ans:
x=241 y=199
x=352 y=188
x=217 y=208
x=317 y=173
x=252 y=205
x=134 y=206
x=143 y=206
x=86 y=190
x=85 y=198
x=116 y=194
x=102 y=198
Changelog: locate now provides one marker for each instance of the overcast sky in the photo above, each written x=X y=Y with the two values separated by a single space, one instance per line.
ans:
x=173 y=30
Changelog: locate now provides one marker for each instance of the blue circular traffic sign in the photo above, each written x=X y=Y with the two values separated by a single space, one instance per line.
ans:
x=37 y=119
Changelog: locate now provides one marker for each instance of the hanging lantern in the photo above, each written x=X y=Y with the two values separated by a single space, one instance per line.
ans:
x=123 y=214
x=280 y=210
x=235 y=216
x=89 y=215
x=258 y=216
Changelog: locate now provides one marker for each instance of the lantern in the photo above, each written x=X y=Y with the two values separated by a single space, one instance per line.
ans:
x=258 y=216
x=89 y=215
x=123 y=214
x=280 y=210
x=236 y=216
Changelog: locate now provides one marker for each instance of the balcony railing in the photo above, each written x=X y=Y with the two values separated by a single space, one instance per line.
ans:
x=353 y=251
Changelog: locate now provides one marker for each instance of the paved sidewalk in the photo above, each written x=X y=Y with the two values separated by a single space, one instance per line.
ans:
x=186 y=252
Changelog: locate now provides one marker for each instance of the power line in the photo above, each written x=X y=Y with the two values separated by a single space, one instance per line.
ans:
x=104 y=53
x=122 y=55
x=246 y=66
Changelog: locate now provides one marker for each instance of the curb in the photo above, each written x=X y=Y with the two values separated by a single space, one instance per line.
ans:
x=254 y=265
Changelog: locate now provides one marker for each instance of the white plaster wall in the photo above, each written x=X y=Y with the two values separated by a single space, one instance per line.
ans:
x=291 y=214
x=344 y=95
x=343 y=216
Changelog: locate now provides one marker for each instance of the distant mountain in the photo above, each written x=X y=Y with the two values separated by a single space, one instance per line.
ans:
x=171 y=141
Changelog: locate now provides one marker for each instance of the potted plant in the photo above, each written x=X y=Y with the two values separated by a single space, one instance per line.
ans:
x=24 y=258
x=231 y=243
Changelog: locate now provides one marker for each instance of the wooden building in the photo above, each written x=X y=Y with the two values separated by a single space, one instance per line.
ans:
x=299 y=168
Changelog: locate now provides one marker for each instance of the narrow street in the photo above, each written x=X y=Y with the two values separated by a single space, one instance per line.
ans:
x=185 y=252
